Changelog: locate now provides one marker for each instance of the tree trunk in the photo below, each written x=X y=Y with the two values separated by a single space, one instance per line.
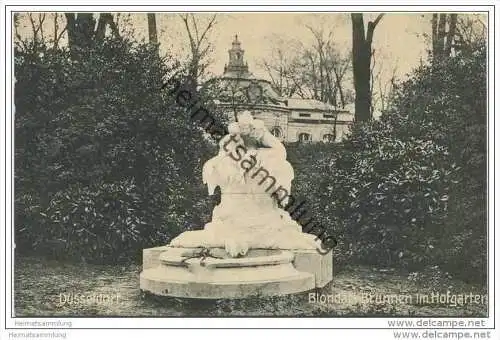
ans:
x=362 y=52
x=361 y=68
x=85 y=29
x=442 y=40
x=197 y=40
x=452 y=30
x=335 y=127
x=105 y=20
x=322 y=77
x=56 y=31
x=435 y=48
x=441 y=36
x=152 y=30
x=339 y=74
x=101 y=28
x=71 y=28
x=314 y=78
x=82 y=32
x=80 y=27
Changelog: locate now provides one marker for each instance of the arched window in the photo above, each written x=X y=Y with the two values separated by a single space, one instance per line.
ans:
x=276 y=131
x=304 y=137
x=328 y=138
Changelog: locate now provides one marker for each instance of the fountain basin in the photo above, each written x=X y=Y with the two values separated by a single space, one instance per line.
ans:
x=258 y=273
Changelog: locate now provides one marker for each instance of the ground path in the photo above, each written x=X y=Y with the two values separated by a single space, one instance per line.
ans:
x=42 y=288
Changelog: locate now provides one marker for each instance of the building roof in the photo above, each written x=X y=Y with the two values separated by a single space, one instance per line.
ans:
x=238 y=74
x=261 y=90
x=238 y=84
x=312 y=104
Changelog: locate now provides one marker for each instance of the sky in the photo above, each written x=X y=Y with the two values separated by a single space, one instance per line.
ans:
x=400 y=42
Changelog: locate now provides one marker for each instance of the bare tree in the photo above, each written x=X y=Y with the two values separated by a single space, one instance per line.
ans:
x=82 y=29
x=37 y=26
x=284 y=67
x=36 y=36
x=278 y=73
x=386 y=89
x=57 y=34
x=316 y=71
x=321 y=44
x=362 y=54
x=331 y=67
x=374 y=75
x=471 y=31
x=340 y=65
x=382 y=85
x=199 y=45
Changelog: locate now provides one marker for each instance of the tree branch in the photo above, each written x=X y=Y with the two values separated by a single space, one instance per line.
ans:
x=377 y=19
x=209 y=26
x=33 y=26
x=190 y=36
x=371 y=28
x=41 y=20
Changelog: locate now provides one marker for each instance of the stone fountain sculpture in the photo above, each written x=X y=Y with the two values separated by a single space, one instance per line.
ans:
x=252 y=247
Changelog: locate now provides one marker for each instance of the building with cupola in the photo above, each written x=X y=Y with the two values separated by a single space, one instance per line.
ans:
x=289 y=119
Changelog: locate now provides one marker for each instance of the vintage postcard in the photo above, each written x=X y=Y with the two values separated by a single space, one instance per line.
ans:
x=323 y=167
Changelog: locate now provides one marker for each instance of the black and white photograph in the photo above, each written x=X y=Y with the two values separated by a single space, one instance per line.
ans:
x=327 y=165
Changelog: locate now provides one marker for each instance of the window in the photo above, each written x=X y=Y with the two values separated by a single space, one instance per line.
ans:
x=304 y=137
x=328 y=116
x=328 y=138
x=276 y=131
x=304 y=115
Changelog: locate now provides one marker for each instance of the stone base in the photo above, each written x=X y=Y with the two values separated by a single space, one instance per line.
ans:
x=260 y=273
x=263 y=272
x=321 y=266
x=151 y=257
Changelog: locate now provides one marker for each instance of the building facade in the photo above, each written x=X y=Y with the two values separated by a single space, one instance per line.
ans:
x=289 y=119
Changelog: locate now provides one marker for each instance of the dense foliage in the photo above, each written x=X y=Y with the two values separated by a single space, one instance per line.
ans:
x=104 y=158
x=409 y=190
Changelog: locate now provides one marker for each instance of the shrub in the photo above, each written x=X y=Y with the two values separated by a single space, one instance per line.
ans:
x=409 y=190
x=104 y=159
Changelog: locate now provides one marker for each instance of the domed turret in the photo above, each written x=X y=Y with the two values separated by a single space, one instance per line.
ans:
x=237 y=65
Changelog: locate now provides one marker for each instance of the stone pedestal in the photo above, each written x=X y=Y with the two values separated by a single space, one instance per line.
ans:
x=180 y=272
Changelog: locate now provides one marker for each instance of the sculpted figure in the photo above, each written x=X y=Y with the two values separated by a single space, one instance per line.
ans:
x=251 y=165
